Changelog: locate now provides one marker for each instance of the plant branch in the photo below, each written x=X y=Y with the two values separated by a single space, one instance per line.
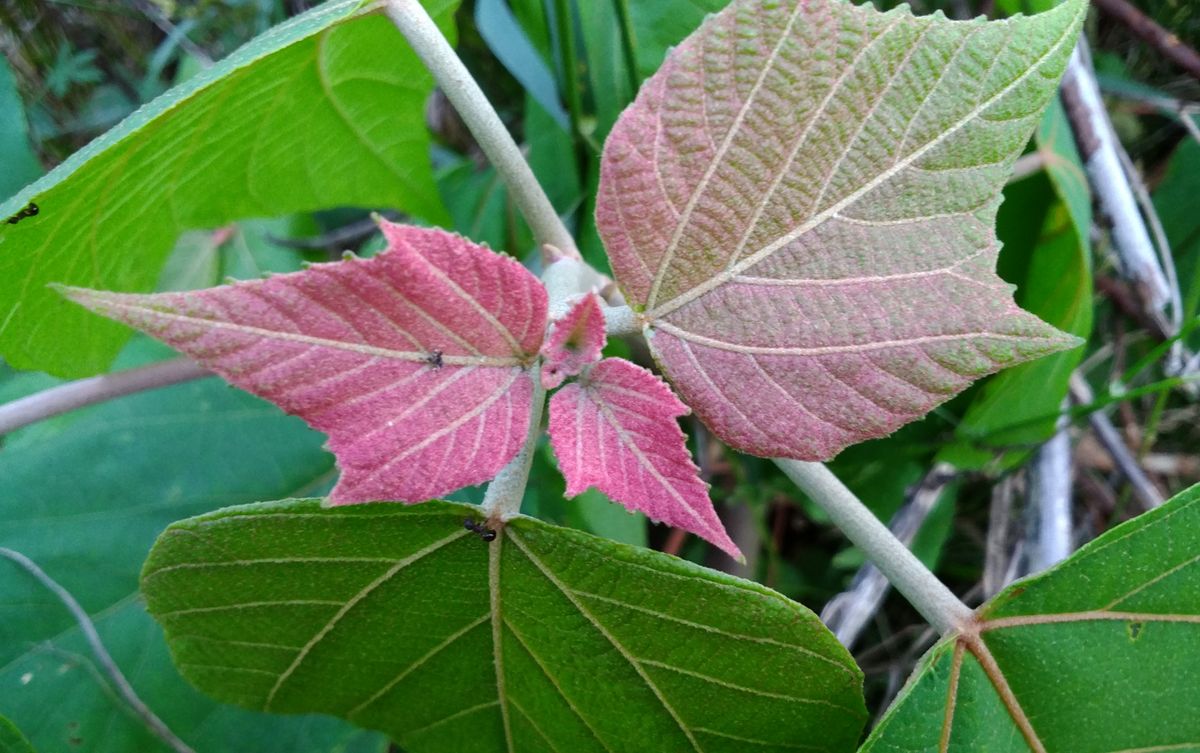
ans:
x=1050 y=498
x=107 y=665
x=493 y=138
x=1166 y=43
x=1110 y=438
x=941 y=608
x=72 y=395
x=504 y=494
x=1098 y=145
x=848 y=613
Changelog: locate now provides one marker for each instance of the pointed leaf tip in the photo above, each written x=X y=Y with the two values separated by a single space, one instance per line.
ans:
x=575 y=341
x=414 y=362
x=802 y=202
x=616 y=429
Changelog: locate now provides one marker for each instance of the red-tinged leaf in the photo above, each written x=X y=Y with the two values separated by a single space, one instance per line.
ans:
x=616 y=429
x=801 y=203
x=415 y=362
x=574 y=342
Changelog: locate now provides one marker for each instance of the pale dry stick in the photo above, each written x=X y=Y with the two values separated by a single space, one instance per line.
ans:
x=1098 y=146
x=848 y=613
x=1178 y=356
x=1143 y=488
x=84 y=392
x=936 y=603
x=1027 y=165
x=485 y=125
x=1050 y=498
x=105 y=660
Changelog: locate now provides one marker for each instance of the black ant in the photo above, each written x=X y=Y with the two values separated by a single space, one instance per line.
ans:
x=481 y=529
x=30 y=210
x=434 y=359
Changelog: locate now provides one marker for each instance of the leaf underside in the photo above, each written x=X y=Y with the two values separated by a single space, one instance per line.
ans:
x=575 y=341
x=414 y=362
x=617 y=429
x=324 y=110
x=801 y=202
x=1097 y=655
x=545 y=639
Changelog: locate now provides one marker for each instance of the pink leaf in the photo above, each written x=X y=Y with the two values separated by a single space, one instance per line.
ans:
x=801 y=203
x=615 y=429
x=414 y=362
x=575 y=341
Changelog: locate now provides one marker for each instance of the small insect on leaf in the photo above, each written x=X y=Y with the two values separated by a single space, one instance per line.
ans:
x=434 y=359
x=30 y=210
x=479 y=529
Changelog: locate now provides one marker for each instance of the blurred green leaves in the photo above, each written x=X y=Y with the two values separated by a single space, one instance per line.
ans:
x=323 y=110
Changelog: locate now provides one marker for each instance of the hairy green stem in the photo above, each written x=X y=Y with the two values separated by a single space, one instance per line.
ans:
x=941 y=608
x=485 y=125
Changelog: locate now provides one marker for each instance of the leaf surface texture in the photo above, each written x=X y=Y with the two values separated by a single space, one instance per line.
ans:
x=616 y=428
x=414 y=362
x=801 y=202
x=544 y=639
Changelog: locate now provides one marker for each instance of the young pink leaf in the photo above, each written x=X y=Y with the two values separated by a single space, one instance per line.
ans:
x=616 y=429
x=575 y=341
x=801 y=203
x=415 y=362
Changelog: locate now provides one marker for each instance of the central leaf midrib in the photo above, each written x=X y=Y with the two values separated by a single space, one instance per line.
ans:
x=359 y=348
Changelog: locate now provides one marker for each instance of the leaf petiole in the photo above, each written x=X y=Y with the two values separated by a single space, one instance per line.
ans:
x=941 y=608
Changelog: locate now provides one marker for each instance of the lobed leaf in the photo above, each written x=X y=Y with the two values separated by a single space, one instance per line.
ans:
x=414 y=362
x=541 y=640
x=1096 y=655
x=616 y=429
x=801 y=203
x=324 y=110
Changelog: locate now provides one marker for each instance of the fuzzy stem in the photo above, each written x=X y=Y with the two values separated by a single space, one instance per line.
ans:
x=933 y=600
x=81 y=393
x=502 y=500
x=485 y=125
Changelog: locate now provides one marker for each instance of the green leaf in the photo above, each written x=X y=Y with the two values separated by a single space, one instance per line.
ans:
x=20 y=163
x=11 y=739
x=1097 y=654
x=390 y=616
x=84 y=495
x=1057 y=287
x=1175 y=202
x=324 y=110
x=661 y=25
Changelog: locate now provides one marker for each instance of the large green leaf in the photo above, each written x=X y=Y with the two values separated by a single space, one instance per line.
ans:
x=324 y=110
x=545 y=639
x=84 y=495
x=1098 y=654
